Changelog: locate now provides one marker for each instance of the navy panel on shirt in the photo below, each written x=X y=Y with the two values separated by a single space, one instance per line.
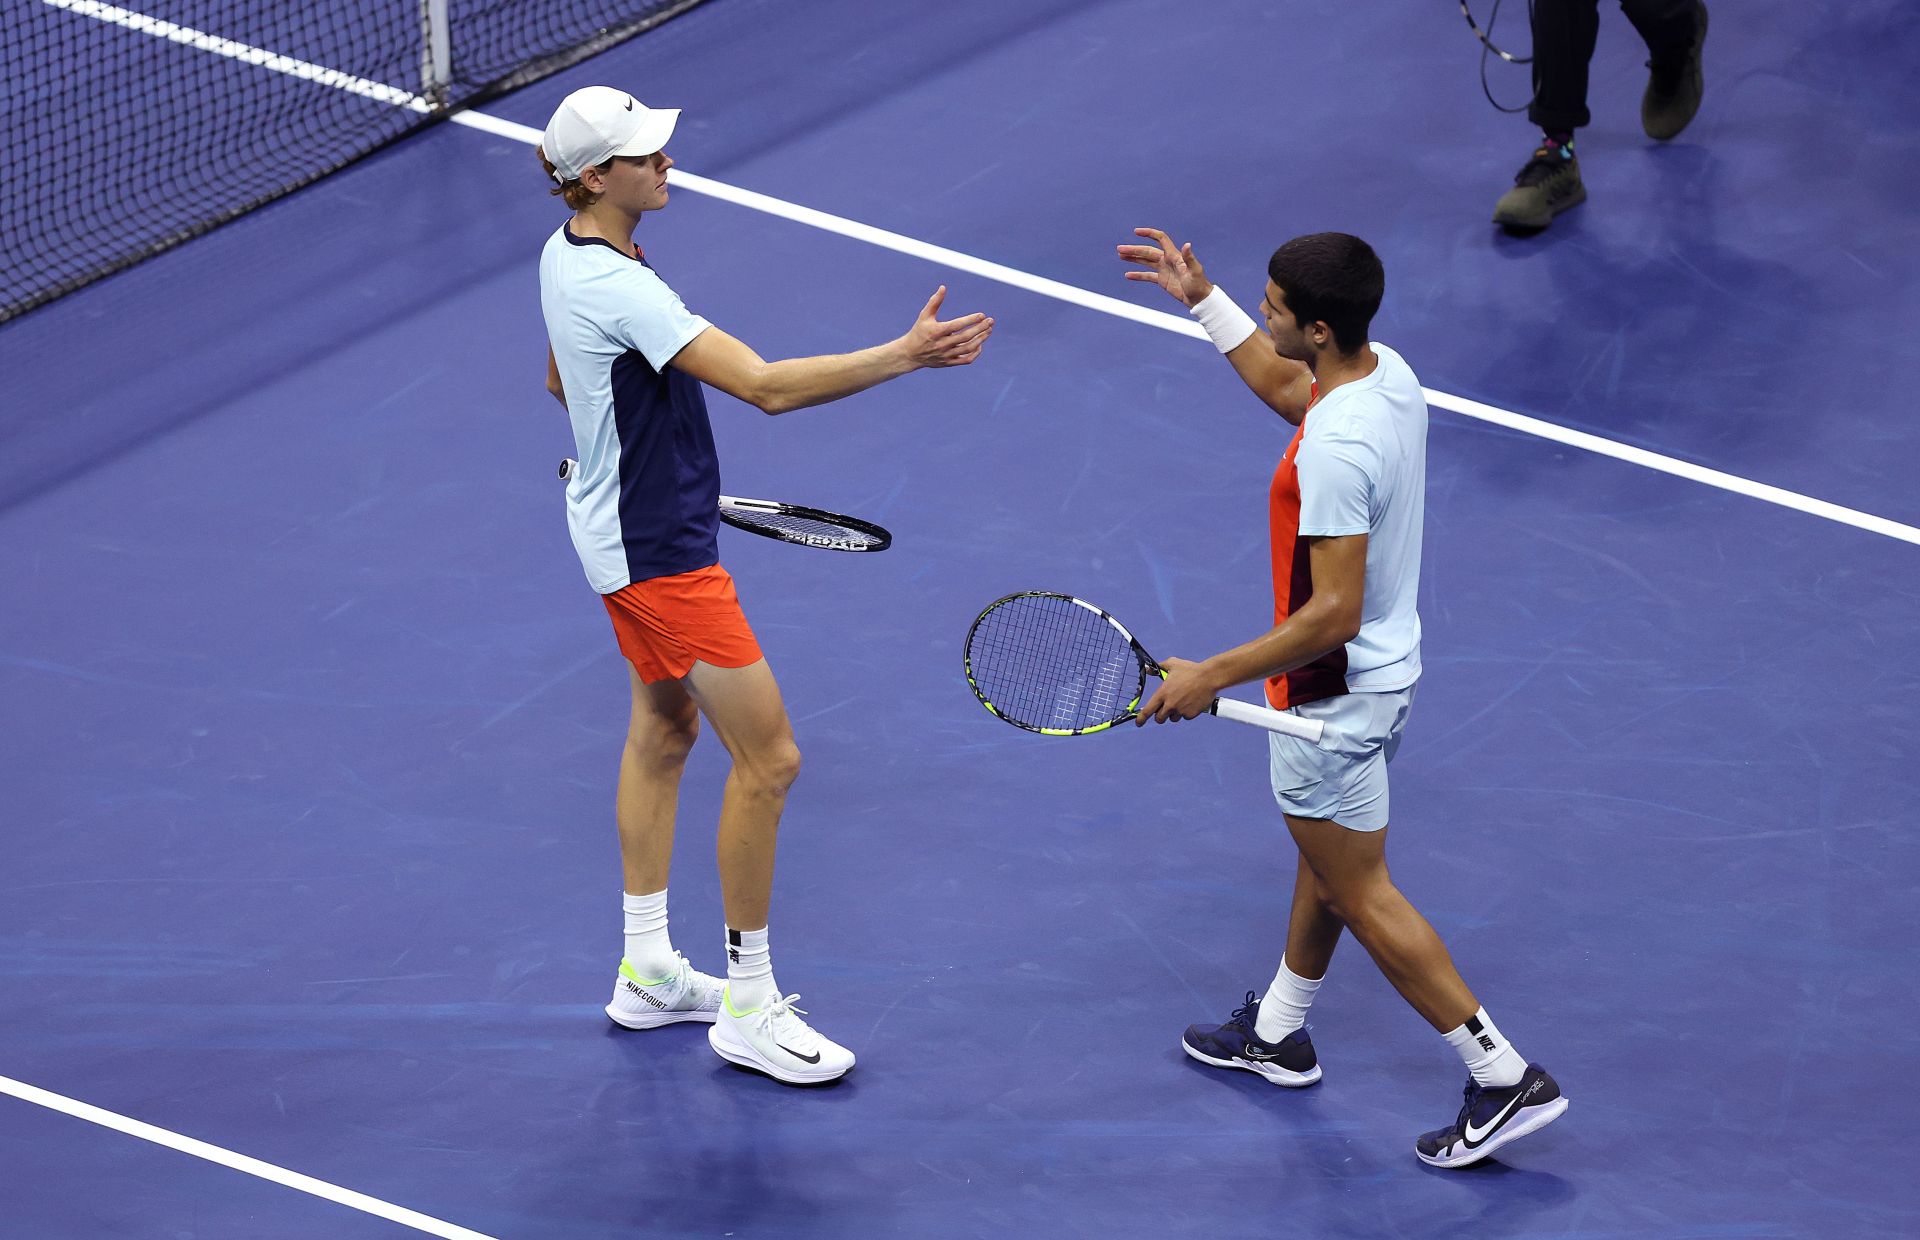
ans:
x=669 y=470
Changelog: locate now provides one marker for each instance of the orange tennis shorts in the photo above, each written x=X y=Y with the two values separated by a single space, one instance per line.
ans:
x=666 y=624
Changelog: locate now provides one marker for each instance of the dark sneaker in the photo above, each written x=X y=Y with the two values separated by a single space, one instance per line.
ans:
x=1290 y=1061
x=1673 y=91
x=1546 y=186
x=1493 y=1117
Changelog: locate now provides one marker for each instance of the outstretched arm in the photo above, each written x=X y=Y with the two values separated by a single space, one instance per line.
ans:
x=721 y=361
x=1284 y=385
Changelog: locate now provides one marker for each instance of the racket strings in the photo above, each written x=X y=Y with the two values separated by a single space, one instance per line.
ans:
x=1049 y=662
x=802 y=529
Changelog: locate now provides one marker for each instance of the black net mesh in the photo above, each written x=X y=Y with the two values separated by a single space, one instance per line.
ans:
x=1049 y=663
x=128 y=131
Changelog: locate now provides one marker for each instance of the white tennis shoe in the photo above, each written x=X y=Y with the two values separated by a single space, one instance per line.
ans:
x=648 y=1003
x=774 y=1040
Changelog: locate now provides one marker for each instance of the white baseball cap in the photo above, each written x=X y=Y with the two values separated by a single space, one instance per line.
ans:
x=595 y=123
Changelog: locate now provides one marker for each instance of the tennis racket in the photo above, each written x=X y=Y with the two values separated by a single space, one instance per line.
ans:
x=809 y=527
x=1059 y=666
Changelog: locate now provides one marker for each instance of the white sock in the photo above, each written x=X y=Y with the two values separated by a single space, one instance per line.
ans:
x=1488 y=1055
x=649 y=949
x=750 y=984
x=1285 y=1007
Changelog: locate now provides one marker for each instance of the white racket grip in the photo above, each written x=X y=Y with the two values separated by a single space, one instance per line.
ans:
x=1271 y=720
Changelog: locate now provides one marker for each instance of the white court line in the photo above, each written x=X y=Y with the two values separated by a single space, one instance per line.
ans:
x=239 y=1162
x=1181 y=325
x=244 y=52
x=1673 y=465
x=897 y=242
x=887 y=240
x=994 y=271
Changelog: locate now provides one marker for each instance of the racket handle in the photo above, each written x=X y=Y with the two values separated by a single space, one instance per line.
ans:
x=1271 y=720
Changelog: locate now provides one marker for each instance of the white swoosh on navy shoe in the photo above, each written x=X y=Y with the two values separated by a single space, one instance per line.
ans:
x=1475 y=1136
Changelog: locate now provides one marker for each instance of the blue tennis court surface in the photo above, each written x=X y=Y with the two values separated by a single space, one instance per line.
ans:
x=311 y=723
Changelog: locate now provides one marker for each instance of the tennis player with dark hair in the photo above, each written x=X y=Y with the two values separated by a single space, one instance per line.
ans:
x=626 y=358
x=1345 y=509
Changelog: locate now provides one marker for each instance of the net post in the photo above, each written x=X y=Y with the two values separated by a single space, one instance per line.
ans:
x=436 y=54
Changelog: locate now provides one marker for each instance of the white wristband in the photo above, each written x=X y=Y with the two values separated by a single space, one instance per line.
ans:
x=1226 y=324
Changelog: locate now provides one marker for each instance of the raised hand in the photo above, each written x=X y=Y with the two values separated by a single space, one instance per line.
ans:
x=1172 y=267
x=955 y=342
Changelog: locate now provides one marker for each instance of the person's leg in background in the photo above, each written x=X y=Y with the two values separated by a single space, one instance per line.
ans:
x=1674 y=31
x=1549 y=182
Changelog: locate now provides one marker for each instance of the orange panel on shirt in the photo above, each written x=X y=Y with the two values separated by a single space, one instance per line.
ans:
x=1326 y=676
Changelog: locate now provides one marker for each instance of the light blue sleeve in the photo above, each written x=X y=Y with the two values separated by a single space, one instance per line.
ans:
x=650 y=317
x=1337 y=486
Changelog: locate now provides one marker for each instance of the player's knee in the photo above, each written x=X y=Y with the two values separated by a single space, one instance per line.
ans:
x=785 y=765
x=771 y=770
x=664 y=742
x=1355 y=901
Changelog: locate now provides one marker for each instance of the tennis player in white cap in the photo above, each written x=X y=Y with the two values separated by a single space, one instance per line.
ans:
x=627 y=360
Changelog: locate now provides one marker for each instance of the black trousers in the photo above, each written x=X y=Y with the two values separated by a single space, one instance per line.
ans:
x=1563 y=35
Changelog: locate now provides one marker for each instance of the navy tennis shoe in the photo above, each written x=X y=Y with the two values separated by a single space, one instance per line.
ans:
x=1289 y=1062
x=1493 y=1117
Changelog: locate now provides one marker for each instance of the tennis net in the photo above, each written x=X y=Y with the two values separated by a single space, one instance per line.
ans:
x=128 y=131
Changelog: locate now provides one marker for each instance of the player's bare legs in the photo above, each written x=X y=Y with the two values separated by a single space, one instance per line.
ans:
x=656 y=985
x=1341 y=883
x=743 y=704
x=1268 y=1035
x=1506 y=1097
x=756 y=1026
x=1351 y=868
x=1313 y=929
x=660 y=733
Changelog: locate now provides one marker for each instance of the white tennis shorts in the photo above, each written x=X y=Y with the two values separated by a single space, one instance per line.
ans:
x=1344 y=777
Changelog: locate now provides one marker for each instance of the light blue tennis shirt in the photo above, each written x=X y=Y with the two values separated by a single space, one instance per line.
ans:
x=644 y=501
x=1362 y=465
